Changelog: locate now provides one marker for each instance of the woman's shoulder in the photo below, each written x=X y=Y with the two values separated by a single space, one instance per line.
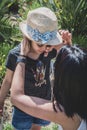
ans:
x=83 y=125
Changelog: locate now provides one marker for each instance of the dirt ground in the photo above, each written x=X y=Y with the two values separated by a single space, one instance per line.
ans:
x=7 y=114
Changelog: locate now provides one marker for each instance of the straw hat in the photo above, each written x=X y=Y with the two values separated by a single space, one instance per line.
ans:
x=41 y=26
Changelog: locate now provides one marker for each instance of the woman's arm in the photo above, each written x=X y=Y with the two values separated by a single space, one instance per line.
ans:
x=31 y=105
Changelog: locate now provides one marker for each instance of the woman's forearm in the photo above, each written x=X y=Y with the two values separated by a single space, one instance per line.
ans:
x=35 y=106
x=31 y=105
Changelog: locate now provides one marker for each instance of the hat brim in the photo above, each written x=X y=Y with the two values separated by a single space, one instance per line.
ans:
x=56 y=41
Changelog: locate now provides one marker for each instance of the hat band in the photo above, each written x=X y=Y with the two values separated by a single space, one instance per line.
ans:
x=41 y=37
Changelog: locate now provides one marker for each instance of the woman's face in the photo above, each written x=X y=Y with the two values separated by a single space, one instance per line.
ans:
x=39 y=48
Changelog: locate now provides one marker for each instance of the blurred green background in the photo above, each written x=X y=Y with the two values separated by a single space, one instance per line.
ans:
x=71 y=14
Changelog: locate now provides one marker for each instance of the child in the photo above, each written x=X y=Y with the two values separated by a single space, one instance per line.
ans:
x=41 y=35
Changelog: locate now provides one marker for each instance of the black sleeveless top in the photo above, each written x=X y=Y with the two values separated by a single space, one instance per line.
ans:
x=37 y=80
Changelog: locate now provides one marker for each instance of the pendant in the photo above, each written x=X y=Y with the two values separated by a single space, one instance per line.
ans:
x=39 y=74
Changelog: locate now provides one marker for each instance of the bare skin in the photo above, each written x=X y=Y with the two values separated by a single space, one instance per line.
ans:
x=5 y=88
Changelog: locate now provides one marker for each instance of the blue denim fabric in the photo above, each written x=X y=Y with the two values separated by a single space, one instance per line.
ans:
x=23 y=121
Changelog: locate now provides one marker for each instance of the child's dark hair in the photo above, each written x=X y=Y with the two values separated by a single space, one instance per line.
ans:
x=70 y=85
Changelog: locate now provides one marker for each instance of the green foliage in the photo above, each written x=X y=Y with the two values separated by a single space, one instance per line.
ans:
x=7 y=22
x=25 y=6
x=52 y=4
x=73 y=16
x=80 y=40
x=4 y=48
x=52 y=126
x=7 y=126
x=4 y=25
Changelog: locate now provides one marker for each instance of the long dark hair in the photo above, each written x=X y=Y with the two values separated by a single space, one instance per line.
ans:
x=70 y=84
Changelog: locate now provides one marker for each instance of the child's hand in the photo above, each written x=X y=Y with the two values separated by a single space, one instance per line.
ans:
x=25 y=47
x=66 y=36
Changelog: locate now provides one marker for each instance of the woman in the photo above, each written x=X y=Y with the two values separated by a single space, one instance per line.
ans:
x=69 y=107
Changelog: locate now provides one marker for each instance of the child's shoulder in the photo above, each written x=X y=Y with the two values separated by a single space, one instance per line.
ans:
x=15 y=50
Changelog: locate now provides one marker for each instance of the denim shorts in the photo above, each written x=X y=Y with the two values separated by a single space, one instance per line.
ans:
x=23 y=121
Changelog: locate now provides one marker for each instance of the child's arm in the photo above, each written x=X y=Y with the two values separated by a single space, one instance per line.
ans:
x=67 y=39
x=5 y=87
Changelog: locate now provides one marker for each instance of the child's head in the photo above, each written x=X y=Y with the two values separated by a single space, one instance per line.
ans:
x=41 y=27
x=70 y=85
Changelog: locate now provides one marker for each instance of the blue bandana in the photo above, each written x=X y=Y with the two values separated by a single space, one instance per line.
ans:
x=41 y=37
